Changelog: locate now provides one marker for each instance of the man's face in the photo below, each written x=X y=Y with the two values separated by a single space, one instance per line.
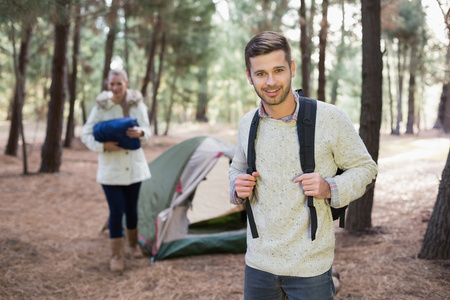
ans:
x=271 y=77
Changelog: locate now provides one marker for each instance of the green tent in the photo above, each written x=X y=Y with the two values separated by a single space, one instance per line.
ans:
x=179 y=186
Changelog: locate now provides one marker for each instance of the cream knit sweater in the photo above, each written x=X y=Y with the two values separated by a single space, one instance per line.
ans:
x=284 y=246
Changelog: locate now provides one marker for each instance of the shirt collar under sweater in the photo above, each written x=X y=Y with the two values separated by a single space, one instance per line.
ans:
x=287 y=119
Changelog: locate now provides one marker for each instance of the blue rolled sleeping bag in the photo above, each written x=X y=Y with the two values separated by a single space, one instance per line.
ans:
x=115 y=131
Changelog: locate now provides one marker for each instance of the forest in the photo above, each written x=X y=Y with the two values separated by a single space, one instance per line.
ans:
x=384 y=62
x=186 y=57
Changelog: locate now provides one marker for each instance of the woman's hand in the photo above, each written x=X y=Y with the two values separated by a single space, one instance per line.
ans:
x=134 y=132
x=111 y=146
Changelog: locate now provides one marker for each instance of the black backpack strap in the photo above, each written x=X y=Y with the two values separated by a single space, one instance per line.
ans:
x=251 y=167
x=306 y=125
x=339 y=213
x=342 y=219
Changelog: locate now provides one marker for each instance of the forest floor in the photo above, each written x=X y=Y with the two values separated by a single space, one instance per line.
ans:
x=51 y=245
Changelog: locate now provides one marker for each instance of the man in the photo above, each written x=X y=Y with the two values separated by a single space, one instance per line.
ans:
x=284 y=260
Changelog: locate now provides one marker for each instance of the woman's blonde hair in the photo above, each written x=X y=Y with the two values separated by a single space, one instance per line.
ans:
x=117 y=72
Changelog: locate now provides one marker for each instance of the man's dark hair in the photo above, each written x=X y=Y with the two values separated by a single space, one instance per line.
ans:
x=265 y=43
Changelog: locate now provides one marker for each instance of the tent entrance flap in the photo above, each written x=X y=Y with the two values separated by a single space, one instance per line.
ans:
x=211 y=198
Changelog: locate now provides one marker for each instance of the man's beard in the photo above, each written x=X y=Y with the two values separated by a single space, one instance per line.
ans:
x=278 y=99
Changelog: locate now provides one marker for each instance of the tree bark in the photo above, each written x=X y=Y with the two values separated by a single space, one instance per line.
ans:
x=340 y=50
x=272 y=18
x=20 y=68
x=202 y=78
x=70 y=129
x=389 y=82
x=83 y=107
x=436 y=244
x=279 y=13
x=52 y=149
x=445 y=97
x=360 y=211
x=443 y=118
x=111 y=19
x=322 y=48
x=412 y=88
x=150 y=72
x=172 y=100
x=156 y=83
x=202 y=101
x=305 y=44
x=446 y=108
x=306 y=31
x=126 y=38
x=109 y=50
x=401 y=56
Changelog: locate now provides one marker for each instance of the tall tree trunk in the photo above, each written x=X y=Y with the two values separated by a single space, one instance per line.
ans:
x=156 y=83
x=126 y=39
x=412 y=88
x=445 y=112
x=305 y=47
x=446 y=97
x=109 y=50
x=202 y=101
x=172 y=99
x=202 y=78
x=360 y=211
x=24 y=150
x=150 y=72
x=70 y=130
x=339 y=56
x=443 y=118
x=20 y=69
x=334 y=91
x=83 y=107
x=322 y=47
x=389 y=82
x=401 y=56
x=52 y=148
x=112 y=20
x=280 y=11
x=436 y=244
x=272 y=19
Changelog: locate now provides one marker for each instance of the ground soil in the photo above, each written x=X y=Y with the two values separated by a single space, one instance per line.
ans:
x=52 y=247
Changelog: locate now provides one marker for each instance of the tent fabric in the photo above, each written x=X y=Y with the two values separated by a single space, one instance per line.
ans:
x=226 y=243
x=166 y=197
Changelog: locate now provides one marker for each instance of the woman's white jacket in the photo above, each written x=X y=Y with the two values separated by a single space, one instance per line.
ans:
x=118 y=167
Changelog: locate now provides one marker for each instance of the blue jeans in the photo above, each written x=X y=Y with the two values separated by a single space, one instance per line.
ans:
x=122 y=199
x=260 y=285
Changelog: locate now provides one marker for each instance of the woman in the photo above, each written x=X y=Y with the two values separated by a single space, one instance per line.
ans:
x=120 y=171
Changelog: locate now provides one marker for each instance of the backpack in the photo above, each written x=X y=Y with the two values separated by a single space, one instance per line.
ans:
x=306 y=125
